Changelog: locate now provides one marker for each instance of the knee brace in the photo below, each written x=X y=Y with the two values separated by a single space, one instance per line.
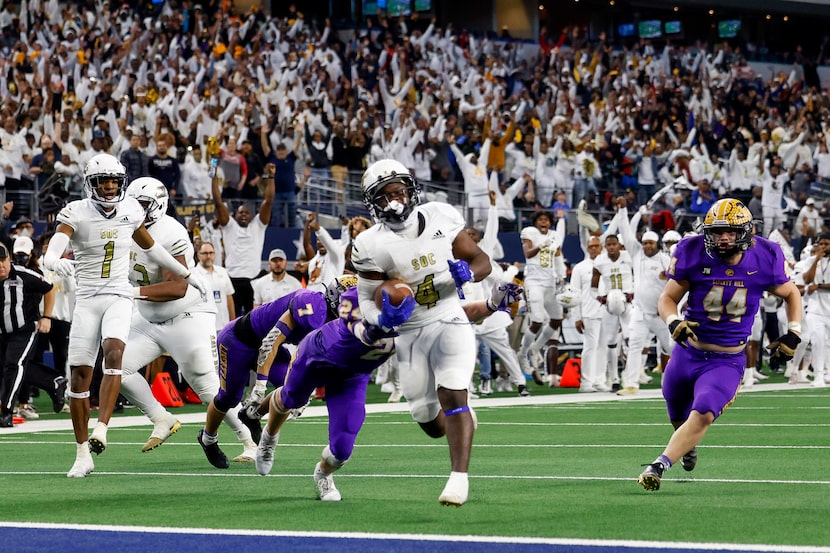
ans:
x=77 y=395
x=112 y=372
x=332 y=461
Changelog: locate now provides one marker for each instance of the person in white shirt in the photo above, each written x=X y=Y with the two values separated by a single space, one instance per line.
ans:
x=587 y=314
x=817 y=281
x=650 y=264
x=328 y=261
x=217 y=279
x=277 y=282
x=244 y=237
x=773 y=180
x=102 y=228
x=807 y=224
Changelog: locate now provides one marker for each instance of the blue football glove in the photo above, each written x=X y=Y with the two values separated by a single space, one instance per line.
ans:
x=503 y=295
x=392 y=315
x=461 y=273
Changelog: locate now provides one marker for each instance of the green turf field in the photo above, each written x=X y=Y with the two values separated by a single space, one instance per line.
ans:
x=540 y=470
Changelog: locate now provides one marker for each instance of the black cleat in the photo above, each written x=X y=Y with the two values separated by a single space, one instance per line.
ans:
x=650 y=478
x=253 y=424
x=523 y=391
x=689 y=461
x=213 y=453
x=7 y=421
x=59 y=397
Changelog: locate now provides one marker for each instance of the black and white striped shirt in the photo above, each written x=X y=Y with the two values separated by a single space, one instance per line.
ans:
x=20 y=296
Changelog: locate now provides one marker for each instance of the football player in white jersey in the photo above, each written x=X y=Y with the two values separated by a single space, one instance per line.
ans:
x=436 y=348
x=544 y=271
x=102 y=227
x=171 y=317
x=615 y=270
x=650 y=264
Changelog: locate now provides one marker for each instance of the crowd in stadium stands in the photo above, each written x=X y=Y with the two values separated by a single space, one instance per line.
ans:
x=576 y=121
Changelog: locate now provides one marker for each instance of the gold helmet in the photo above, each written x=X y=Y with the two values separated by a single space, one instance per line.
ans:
x=335 y=289
x=727 y=215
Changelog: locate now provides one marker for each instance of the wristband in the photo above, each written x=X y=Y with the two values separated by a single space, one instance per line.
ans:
x=266 y=176
x=671 y=318
x=490 y=307
x=260 y=377
x=794 y=326
x=137 y=292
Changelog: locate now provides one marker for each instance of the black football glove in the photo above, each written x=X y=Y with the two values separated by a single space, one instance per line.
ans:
x=783 y=349
x=682 y=330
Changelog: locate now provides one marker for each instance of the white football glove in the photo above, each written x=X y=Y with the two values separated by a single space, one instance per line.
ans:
x=502 y=295
x=65 y=267
x=195 y=281
x=257 y=394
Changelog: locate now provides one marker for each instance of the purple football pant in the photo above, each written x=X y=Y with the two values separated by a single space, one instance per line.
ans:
x=702 y=381
x=345 y=397
x=236 y=362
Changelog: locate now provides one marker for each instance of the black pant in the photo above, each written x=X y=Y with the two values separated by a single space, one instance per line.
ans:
x=243 y=295
x=40 y=375
x=15 y=350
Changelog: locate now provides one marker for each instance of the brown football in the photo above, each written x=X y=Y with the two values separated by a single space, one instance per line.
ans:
x=397 y=290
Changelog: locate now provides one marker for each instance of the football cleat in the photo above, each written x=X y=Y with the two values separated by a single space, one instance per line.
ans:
x=252 y=421
x=326 y=489
x=248 y=454
x=689 y=461
x=213 y=452
x=98 y=440
x=456 y=491
x=265 y=454
x=523 y=391
x=650 y=478
x=59 y=399
x=162 y=430
x=83 y=466
x=540 y=377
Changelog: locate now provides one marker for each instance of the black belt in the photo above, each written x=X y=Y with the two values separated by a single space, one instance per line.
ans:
x=244 y=332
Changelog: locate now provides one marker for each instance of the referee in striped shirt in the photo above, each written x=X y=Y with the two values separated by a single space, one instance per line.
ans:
x=20 y=293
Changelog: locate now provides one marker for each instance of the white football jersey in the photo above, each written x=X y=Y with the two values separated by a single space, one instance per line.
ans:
x=616 y=275
x=545 y=268
x=102 y=245
x=650 y=276
x=172 y=236
x=419 y=260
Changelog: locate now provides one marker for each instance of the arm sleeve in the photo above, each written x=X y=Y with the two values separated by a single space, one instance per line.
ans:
x=57 y=245
x=161 y=256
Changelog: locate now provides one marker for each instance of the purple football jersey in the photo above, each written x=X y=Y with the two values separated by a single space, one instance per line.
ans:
x=335 y=345
x=307 y=307
x=724 y=298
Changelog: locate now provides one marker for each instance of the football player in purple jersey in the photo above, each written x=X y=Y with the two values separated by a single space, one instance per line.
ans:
x=254 y=342
x=725 y=271
x=341 y=355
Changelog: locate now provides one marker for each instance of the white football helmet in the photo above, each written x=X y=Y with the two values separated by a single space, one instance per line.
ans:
x=100 y=168
x=615 y=302
x=376 y=177
x=568 y=297
x=152 y=195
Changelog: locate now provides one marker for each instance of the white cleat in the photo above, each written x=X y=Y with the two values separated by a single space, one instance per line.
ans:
x=395 y=397
x=536 y=360
x=248 y=454
x=325 y=485
x=265 y=454
x=456 y=491
x=98 y=440
x=162 y=430
x=83 y=466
